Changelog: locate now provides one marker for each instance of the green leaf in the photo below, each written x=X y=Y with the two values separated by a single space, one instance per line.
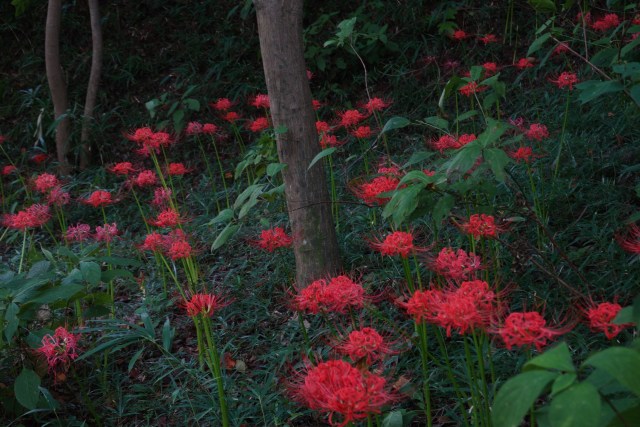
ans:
x=395 y=123
x=38 y=268
x=464 y=159
x=119 y=261
x=591 y=89
x=557 y=358
x=578 y=406
x=178 y=120
x=416 y=176
x=418 y=157
x=11 y=317
x=634 y=92
x=224 y=235
x=134 y=359
x=537 y=43
x=393 y=419
x=438 y=123
x=621 y=363
x=168 y=333
x=563 y=382
x=324 y=153
x=442 y=208
x=192 y=104
x=517 y=395
x=109 y=275
x=626 y=418
x=628 y=69
x=548 y=6
x=26 y=388
x=466 y=115
x=629 y=47
x=225 y=215
x=57 y=293
x=90 y=272
x=402 y=204
x=497 y=159
x=274 y=168
x=495 y=129
x=476 y=72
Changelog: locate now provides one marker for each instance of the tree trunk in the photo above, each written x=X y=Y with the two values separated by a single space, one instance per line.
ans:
x=56 y=82
x=308 y=203
x=94 y=83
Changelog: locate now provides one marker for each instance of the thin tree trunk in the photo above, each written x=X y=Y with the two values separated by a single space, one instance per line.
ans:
x=308 y=203
x=94 y=83
x=57 y=85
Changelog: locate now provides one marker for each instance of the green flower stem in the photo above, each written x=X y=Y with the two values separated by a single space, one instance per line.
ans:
x=305 y=336
x=471 y=375
x=479 y=354
x=224 y=181
x=407 y=274
x=211 y=178
x=215 y=361
x=421 y=328
x=564 y=128
x=461 y=397
x=24 y=245
x=334 y=194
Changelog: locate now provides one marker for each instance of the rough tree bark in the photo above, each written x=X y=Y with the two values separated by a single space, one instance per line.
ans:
x=94 y=82
x=57 y=85
x=315 y=243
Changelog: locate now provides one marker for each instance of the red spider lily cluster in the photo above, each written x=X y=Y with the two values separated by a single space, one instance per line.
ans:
x=60 y=349
x=528 y=328
x=205 y=304
x=274 y=238
x=481 y=225
x=337 y=295
x=336 y=388
x=370 y=192
x=396 y=243
x=365 y=345
x=601 y=319
x=34 y=216
x=450 y=142
x=174 y=244
x=455 y=265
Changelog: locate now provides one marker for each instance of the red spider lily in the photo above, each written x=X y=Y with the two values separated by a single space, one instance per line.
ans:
x=106 y=233
x=194 y=128
x=205 y=304
x=328 y=140
x=231 y=117
x=455 y=265
x=122 y=168
x=32 y=217
x=396 y=243
x=140 y=135
x=154 y=242
x=222 y=104
x=375 y=104
x=528 y=328
x=309 y=75
x=316 y=105
x=565 y=79
x=78 y=233
x=350 y=118
x=523 y=154
x=58 y=197
x=584 y=18
x=175 y=169
x=337 y=295
x=610 y=20
x=337 y=388
x=169 y=218
x=537 y=132
x=369 y=192
x=601 y=317
x=259 y=124
x=362 y=132
x=322 y=127
x=490 y=68
x=145 y=178
x=274 y=238
x=209 y=129
x=99 y=198
x=472 y=88
x=39 y=158
x=45 y=182
x=445 y=142
x=561 y=48
x=423 y=306
x=630 y=242
x=161 y=197
x=179 y=250
x=459 y=35
x=8 y=170
x=481 y=225
x=392 y=170
x=489 y=38
x=366 y=345
x=60 y=349
x=260 y=101
x=524 y=63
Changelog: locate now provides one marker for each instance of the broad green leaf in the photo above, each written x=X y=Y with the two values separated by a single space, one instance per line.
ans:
x=629 y=69
x=577 y=406
x=517 y=395
x=626 y=418
x=495 y=129
x=416 y=176
x=605 y=57
x=248 y=192
x=225 y=215
x=109 y=275
x=90 y=272
x=497 y=160
x=324 y=153
x=402 y=204
x=466 y=115
x=120 y=261
x=464 y=159
x=224 y=235
x=192 y=104
x=395 y=123
x=393 y=419
x=563 y=382
x=274 y=168
x=38 y=268
x=621 y=363
x=418 y=157
x=629 y=47
x=591 y=89
x=437 y=122
x=26 y=388
x=442 y=208
x=11 y=317
x=557 y=358
x=537 y=43
x=548 y=6
x=476 y=72
x=634 y=92
x=59 y=293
